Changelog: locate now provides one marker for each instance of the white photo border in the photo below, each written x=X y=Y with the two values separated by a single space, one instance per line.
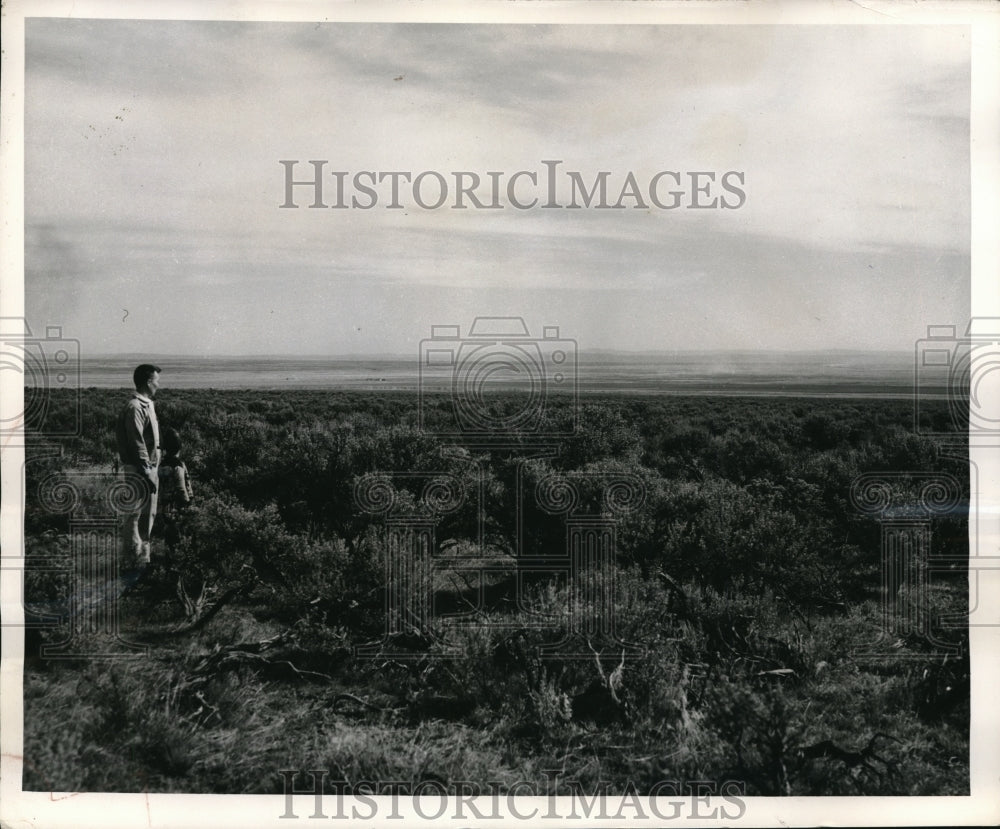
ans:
x=161 y=810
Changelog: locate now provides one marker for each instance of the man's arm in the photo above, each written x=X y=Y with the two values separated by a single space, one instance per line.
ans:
x=134 y=427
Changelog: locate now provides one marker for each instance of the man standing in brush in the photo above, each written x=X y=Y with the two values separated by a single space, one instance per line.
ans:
x=138 y=435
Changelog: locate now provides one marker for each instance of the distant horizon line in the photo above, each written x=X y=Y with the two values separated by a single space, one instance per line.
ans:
x=136 y=355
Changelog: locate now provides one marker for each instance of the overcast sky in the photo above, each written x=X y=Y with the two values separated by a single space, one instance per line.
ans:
x=153 y=184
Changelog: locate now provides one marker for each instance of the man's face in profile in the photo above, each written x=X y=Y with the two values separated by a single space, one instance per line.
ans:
x=153 y=384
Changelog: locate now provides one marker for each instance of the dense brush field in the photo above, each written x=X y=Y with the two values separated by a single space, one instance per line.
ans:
x=746 y=589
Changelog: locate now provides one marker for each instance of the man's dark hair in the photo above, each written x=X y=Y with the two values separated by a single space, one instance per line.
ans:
x=142 y=374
